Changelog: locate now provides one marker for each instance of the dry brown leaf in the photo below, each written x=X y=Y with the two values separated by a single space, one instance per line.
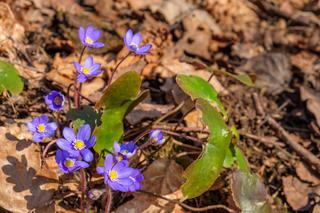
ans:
x=163 y=177
x=24 y=184
x=272 y=71
x=297 y=192
x=306 y=174
x=313 y=101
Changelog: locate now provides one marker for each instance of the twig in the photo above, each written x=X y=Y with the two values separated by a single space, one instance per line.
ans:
x=183 y=136
x=290 y=141
x=195 y=209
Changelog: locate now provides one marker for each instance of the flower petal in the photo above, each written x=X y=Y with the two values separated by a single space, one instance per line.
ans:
x=98 y=45
x=31 y=127
x=53 y=126
x=88 y=62
x=82 y=78
x=66 y=145
x=96 y=34
x=87 y=155
x=84 y=132
x=91 y=142
x=68 y=134
x=100 y=170
x=82 y=34
x=137 y=38
x=128 y=37
x=144 y=49
x=77 y=66
x=108 y=162
x=37 y=137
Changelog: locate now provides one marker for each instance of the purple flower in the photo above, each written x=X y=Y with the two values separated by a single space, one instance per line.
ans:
x=78 y=145
x=41 y=128
x=68 y=163
x=118 y=176
x=156 y=137
x=136 y=177
x=133 y=41
x=89 y=37
x=124 y=150
x=88 y=70
x=54 y=100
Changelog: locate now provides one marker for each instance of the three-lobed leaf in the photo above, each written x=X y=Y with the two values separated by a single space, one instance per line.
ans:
x=203 y=172
x=197 y=87
x=9 y=79
x=119 y=98
x=124 y=89
x=249 y=193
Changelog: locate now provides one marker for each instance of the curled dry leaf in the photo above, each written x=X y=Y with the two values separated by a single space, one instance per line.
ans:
x=163 y=177
x=25 y=186
x=272 y=71
x=313 y=101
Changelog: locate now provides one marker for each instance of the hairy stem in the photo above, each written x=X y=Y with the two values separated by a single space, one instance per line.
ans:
x=78 y=84
x=108 y=200
x=83 y=189
x=117 y=66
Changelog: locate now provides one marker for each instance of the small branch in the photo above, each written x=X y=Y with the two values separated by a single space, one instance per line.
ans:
x=289 y=140
x=44 y=153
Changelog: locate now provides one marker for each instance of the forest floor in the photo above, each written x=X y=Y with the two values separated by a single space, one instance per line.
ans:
x=276 y=42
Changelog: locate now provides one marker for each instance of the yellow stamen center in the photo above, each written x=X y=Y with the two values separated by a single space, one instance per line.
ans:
x=69 y=163
x=113 y=175
x=41 y=127
x=79 y=144
x=124 y=151
x=86 y=70
x=120 y=157
x=88 y=40
x=58 y=100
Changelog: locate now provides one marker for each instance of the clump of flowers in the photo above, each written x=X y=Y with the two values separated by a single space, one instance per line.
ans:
x=75 y=147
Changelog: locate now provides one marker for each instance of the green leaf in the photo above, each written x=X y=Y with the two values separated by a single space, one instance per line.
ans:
x=9 y=79
x=249 y=193
x=245 y=79
x=87 y=114
x=119 y=98
x=124 y=89
x=241 y=160
x=197 y=87
x=229 y=159
x=203 y=172
x=111 y=129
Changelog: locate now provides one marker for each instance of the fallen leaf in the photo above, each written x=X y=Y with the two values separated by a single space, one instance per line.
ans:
x=163 y=177
x=313 y=101
x=25 y=186
x=272 y=71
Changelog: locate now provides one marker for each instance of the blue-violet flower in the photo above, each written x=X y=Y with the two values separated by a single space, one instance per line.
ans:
x=41 y=128
x=78 y=145
x=68 y=163
x=89 y=37
x=156 y=137
x=118 y=176
x=54 y=100
x=124 y=150
x=88 y=70
x=133 y=41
